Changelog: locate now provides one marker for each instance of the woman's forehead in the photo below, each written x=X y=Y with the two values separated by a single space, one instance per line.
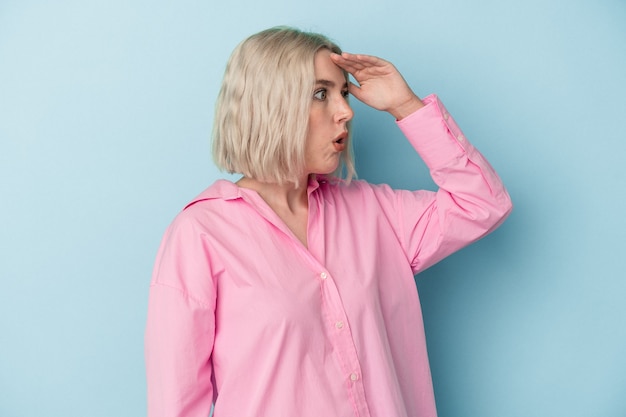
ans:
x=326 y=71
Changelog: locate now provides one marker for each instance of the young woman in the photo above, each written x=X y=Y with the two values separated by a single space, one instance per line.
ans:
x=291 y=292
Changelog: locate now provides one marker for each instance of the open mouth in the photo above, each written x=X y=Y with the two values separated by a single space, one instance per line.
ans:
x=340 y=142
x=342 y=138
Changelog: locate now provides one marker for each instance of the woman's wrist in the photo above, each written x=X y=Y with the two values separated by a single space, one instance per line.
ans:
x=407 y=108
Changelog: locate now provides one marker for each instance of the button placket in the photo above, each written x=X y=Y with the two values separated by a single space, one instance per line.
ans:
x=342 y=339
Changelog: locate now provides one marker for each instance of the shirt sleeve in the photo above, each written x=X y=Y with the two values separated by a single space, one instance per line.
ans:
x=180 y=325
x=471 y=200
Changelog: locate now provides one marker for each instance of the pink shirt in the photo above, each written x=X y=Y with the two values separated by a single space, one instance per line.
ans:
x=243 y=315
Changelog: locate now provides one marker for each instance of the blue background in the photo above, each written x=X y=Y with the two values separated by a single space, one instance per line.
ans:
x=105 y=114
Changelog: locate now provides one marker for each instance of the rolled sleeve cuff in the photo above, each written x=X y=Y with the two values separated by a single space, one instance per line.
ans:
x=434 y=134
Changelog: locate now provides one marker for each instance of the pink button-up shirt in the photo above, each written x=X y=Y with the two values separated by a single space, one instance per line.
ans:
x=244 y=316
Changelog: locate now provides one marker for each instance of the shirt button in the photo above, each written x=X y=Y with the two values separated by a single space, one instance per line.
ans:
x=339 y=325
x=446 y=116
x=460 y=138
x=323 y=275
x=353 y=376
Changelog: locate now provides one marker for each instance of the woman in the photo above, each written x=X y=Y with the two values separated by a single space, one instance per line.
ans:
x=291 y=292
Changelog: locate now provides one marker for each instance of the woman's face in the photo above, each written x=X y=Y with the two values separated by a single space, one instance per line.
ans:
x=327 y=136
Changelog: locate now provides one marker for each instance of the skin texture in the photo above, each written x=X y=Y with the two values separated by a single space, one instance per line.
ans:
x=328 y=117
x=380 y=86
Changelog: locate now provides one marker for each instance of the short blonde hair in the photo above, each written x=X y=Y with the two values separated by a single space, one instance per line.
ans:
x=262 y=110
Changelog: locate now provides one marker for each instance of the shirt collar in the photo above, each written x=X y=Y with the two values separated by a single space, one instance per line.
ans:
x=226 y=190
x=220 y=189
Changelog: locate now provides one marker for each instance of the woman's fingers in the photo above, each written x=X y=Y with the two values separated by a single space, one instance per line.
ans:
x=359 y=65
x=380 y=84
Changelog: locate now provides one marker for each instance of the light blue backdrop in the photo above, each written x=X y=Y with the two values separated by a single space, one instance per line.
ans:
x=105 y=112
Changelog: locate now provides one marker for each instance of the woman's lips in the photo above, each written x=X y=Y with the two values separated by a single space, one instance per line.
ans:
x=340 y=146
x=340 y=142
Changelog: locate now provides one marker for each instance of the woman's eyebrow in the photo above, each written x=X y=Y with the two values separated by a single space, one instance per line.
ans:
x=329 y=83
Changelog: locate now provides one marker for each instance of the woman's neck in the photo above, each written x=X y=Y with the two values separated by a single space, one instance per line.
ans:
x=289 y=202
x=283 y=196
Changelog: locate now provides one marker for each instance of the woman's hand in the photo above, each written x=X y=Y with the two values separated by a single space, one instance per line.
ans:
x=381 y=86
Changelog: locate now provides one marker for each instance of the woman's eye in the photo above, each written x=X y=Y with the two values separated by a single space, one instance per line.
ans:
x=320 y=94
x=345 y=93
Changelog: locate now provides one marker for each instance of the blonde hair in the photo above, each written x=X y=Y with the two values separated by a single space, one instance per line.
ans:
x=262 y=110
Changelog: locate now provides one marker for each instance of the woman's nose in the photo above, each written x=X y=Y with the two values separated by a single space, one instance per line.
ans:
x=344 y=112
